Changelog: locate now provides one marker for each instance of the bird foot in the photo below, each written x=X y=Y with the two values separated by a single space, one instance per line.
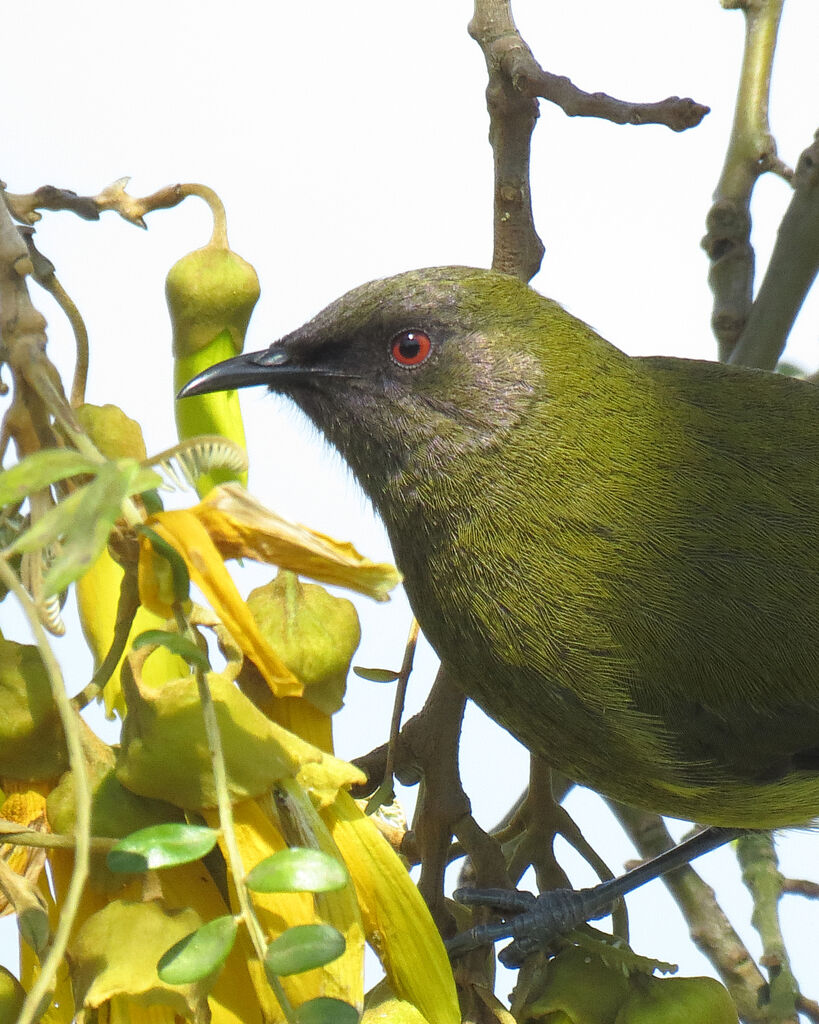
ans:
x=532 y=922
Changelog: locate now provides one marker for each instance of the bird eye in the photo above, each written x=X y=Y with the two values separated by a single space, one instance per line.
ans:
x=410 y=348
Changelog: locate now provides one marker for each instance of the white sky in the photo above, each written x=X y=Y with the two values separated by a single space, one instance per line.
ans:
x=348 y=141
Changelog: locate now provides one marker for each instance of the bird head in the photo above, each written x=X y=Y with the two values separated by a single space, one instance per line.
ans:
x=406 y=371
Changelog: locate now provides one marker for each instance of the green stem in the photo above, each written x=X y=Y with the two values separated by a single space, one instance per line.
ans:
x=82 y=803
x=791 y=271
x=226 y=822
x=16 y=835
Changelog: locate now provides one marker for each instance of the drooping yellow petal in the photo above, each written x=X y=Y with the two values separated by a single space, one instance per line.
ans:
x=242 y=527
x=397 y=922
x=184 y=531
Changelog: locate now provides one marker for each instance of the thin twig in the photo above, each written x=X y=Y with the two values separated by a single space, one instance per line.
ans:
x=751 y=151
x=13 y=834
x=516 y=81
x=801 y=887
x=791 y=271
x=226 y=821
x=385 y=792
x=518 y=249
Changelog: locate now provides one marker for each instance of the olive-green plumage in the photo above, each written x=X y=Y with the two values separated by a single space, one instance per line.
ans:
x=615 y=557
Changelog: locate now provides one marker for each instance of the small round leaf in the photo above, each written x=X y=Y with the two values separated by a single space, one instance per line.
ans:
x=198 y=954
x=302 y=948
x=376 y=675
x=161 y=846
x=176 y=643
x=297 y=870
x=325 y=1010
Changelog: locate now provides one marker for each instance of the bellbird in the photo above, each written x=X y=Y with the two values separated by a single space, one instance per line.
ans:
x=615 y=557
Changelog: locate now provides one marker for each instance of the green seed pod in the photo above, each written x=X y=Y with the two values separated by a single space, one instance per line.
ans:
x=12 y=997
x=116 y=435
x=313 y=632
x=578 y=989
x=32 y=745
x=677 y=1001
x=211 y=293
x=164 y=751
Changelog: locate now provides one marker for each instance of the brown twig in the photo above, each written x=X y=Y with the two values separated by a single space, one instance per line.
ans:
x=516 y=81
x=385 y=792
x=808 y=1007
x=43 y=273
x=801 y=887
x=518 y=249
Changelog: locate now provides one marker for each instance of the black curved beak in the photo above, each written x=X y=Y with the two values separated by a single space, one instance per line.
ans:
x=269 y=367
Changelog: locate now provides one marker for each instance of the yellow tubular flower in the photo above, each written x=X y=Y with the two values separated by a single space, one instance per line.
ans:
x=259 y=835
x=397 y=922
x=117 y=436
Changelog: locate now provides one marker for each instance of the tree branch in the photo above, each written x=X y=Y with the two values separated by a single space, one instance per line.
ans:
x=751 y=152
x=791 y=271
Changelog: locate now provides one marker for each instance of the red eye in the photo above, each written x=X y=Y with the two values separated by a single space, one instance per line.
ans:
x=410 y=348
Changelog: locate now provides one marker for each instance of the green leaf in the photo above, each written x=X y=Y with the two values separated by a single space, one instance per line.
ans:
x=34 y=927
x=376 y=675
x=179 y=571
x=51 y=525
x=176 y=643
x=302 y=948
x=198 y=954
x=383 y=796
x=84 y=519
x=325 y=1010
x=94 y=519
x=297 y=870
x=161 y=846
x=41 y=469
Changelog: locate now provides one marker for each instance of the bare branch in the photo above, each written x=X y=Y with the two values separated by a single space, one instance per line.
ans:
x=791 y=271
x=760 y=873
x=516 y=81
x=518 y=249
x=801 y=887
x=751 y=152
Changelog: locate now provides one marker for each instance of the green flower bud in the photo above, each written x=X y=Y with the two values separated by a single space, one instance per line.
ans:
x=677 y=1001
x=313 y=632
x=211 y=293
x=579 y=988
x=164 y=752
x=208 y=291
x=32 y=745
x=116 y=435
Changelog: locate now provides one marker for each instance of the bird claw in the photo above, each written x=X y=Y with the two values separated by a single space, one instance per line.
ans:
x=537 y=920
